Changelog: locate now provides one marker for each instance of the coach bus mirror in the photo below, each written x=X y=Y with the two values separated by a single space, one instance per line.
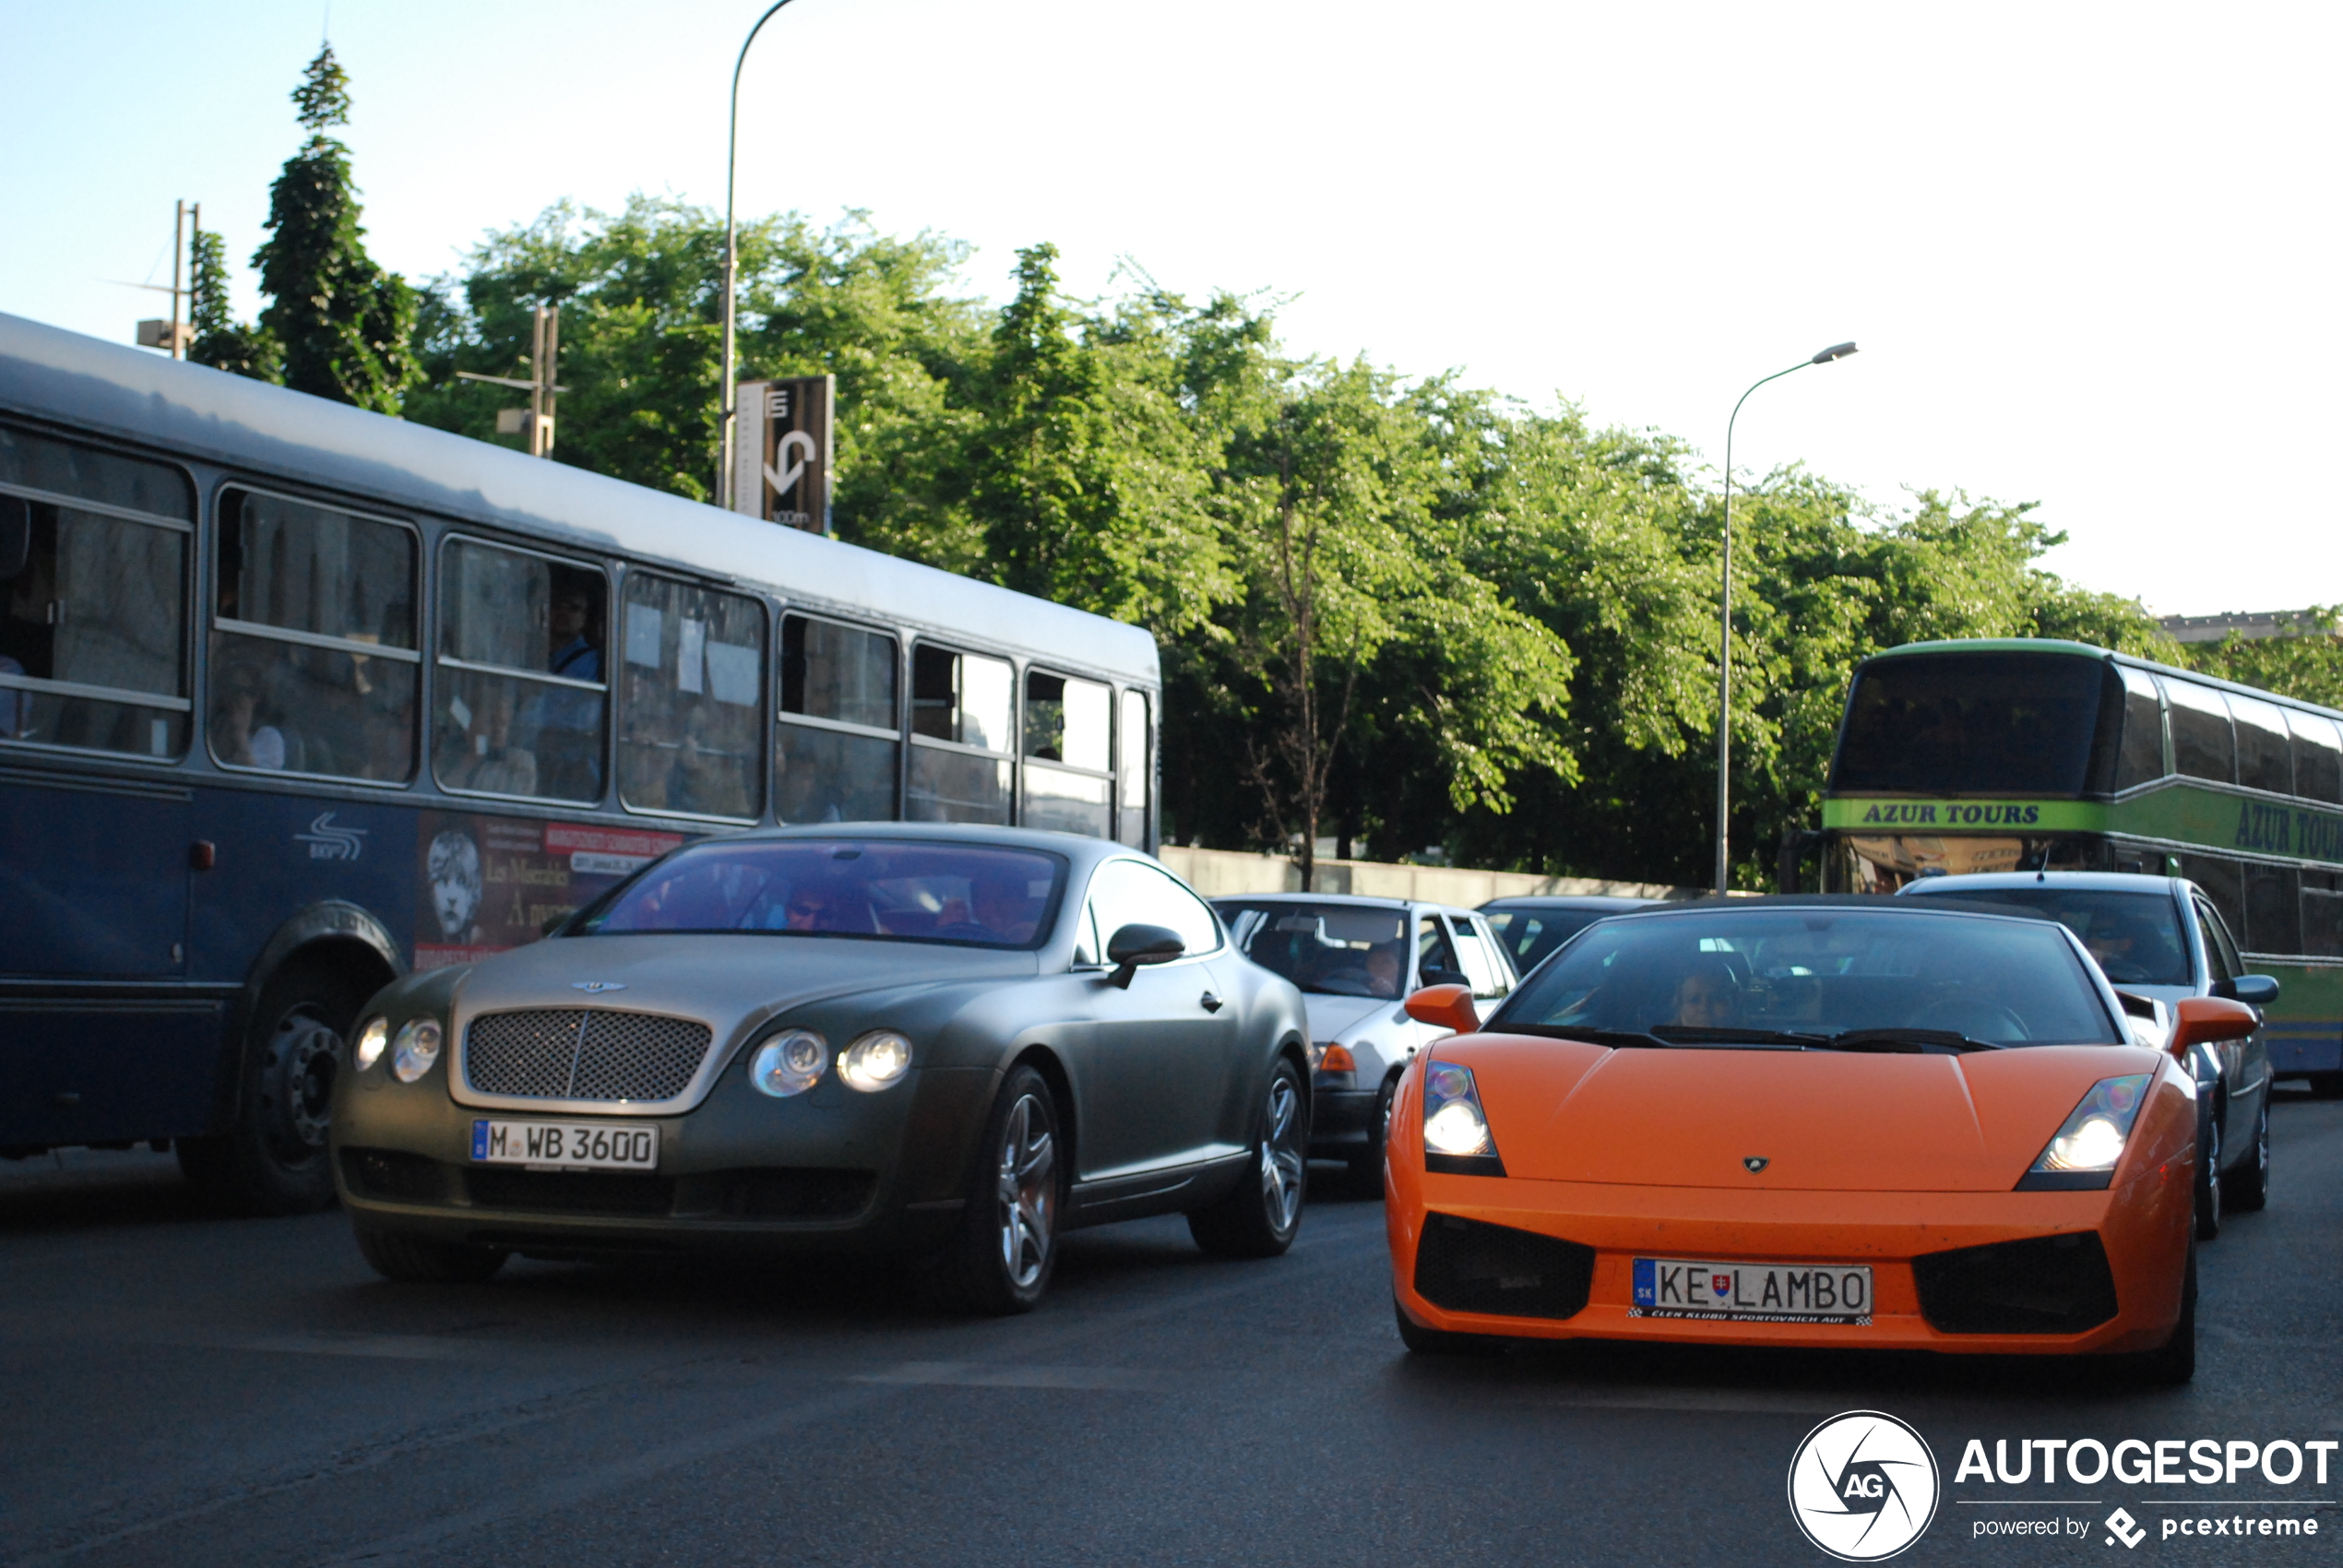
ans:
x=2254 y=990
x=2204 y=1019
x=1444 y=1007
x=1136 y=945
x=15 y=535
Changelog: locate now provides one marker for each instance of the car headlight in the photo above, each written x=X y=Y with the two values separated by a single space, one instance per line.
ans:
x=877 y=1061
x=415 y=1049
x=2084 y=1151
x=1455 y=1130
x=371 y=1040
x=789 y=1064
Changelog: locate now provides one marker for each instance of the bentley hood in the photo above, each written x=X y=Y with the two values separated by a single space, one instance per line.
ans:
x=1819 y=1119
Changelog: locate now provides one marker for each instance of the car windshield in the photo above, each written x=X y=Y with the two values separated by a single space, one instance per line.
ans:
x=1818 y=976
x=964 y=894
x=1527 y=935
x=1332 y=949
x=2135 y=936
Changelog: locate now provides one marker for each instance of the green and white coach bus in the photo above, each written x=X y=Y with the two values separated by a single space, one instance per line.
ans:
x=2038 y=754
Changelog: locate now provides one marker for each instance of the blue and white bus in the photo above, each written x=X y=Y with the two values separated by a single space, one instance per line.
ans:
x=295 y=698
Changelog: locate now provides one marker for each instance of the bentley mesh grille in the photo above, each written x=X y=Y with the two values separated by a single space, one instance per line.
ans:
x=583 y=1053
x=1465 y=1266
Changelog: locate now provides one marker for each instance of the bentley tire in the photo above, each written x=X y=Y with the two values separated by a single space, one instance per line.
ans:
x=1000 y=1260
x=1260 y=1216
x=274 y=1160
x=2245 y=1187
x=395 y=1254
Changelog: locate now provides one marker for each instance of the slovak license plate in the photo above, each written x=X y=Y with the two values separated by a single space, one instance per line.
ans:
x=1754 y=1293
x=568 y=1146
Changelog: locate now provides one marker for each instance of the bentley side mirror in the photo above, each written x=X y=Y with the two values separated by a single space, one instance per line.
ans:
x=1137 y=944
x=2254 y=990
x=2204 y=1019
x=1444 y=1007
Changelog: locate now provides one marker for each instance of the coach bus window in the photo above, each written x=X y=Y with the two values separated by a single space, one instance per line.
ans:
x=2224 y=883
x=314 y=662
x=834 y=756
x=2264 y=759
x=2273 y=909
x=961 y=705
x=521 y=679
x=1137 y=770
x=2318 y=757
x=2203 y=746
x=1070 y=760
x=2000 y=723
x=2141 y=760
x=693 y=686
x=2323 y=914
x=91 y=620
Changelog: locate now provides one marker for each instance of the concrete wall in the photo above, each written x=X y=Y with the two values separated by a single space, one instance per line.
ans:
x=1218 y=873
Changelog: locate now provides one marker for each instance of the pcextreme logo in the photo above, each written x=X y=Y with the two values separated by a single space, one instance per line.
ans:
x=1863 y=1486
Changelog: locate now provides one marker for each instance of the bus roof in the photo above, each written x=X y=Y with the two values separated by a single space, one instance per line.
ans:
x=239 y=423
x=2090 y=650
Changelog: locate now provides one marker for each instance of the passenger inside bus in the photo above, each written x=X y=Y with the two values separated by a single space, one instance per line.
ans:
x=563 y=726
x=244 y=733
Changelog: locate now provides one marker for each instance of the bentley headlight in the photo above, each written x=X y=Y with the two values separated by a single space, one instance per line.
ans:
x=371 y=1040
x=2092 y=1139
x=415 y=1050
x=876 y=1061
x=1455 y=1130
x=789 y=1064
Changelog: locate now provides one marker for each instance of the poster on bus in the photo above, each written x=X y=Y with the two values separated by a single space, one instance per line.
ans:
x=491 y=883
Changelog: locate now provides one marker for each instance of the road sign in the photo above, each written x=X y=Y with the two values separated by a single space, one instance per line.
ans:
x=782 y=452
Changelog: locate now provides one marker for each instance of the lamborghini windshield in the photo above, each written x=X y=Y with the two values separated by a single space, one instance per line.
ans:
x=1817 y=976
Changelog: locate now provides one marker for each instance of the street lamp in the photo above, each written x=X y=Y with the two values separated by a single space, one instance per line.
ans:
x=1725 y=621
x=731 y=265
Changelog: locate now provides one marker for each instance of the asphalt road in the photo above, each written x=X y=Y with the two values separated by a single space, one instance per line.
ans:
x=177 y=1389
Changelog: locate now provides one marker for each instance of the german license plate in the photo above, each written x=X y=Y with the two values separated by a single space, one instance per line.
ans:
x=568 y=1146
x=1756 y=1292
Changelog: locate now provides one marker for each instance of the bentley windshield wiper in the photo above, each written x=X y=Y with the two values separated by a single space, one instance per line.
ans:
x=1687 y=1034
x=1915 y=1041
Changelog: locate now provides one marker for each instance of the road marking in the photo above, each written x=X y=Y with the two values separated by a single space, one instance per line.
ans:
x=978 y=1374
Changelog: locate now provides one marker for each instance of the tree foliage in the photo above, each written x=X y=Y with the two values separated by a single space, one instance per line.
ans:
x=221 y=340
x=2306 y=662
x=344 y=325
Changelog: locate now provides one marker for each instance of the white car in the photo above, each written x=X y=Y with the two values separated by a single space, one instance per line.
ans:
x=1356 y=960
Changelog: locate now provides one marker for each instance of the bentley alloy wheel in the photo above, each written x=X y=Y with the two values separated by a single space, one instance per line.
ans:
x=1283 y=1159
x=999 y=1258
x=1260 y=1217
x=1028 y=1203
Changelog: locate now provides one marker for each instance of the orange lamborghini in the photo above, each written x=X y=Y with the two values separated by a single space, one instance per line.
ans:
x=1812 y=1122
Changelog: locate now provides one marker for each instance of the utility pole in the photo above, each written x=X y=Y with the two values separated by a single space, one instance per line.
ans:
x=535 y=423
x=173 y=335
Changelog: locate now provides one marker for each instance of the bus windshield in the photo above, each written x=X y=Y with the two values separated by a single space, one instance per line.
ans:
x=1813 y=977
x=1971 y=723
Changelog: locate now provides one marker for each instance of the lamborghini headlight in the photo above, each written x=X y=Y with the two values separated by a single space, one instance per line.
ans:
x=1455 y=1130
x=2092 y=1139
x=415 y=1050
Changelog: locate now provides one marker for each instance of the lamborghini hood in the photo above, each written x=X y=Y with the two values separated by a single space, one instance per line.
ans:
x=1817 y=1119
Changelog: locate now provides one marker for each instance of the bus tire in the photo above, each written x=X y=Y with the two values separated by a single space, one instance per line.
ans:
x=274 y=1160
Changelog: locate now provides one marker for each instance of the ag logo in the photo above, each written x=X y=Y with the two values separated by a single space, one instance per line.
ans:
x=1863 y=1486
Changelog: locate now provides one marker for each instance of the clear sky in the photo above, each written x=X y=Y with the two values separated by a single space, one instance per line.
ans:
x=2089 y=250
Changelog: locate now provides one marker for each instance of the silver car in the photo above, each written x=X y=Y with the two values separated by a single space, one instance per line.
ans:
x=2159 y=938
x=1356 y=960
x=950 y=1044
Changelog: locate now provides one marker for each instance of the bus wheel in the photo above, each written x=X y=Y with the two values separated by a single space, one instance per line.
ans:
x=274 y=1160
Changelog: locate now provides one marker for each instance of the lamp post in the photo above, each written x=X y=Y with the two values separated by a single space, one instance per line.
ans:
x=732 y=266
x=1725 y=622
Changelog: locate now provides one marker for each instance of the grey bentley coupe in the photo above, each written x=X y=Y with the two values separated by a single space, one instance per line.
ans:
x=949 y=1043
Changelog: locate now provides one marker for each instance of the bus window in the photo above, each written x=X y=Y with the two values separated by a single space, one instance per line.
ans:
x=92 y=643
x=2323 y=914
x=835 y=754
x=2224 y=885
x=1137 y=770
x=2318 y=757
x=965 y=701
x=2265 y=758
x=2273 y=909
x=521 y=683
x=689 y=737
x=314 y=662
x=1067 y=730
x=2203 y=746
x=2141 y=759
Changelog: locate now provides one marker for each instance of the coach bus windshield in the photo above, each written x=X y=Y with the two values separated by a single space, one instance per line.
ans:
x=1971 y=723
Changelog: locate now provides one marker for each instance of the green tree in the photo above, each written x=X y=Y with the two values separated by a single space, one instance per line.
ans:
x=344 y=324
x=2305 y=663
x=221 y=340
